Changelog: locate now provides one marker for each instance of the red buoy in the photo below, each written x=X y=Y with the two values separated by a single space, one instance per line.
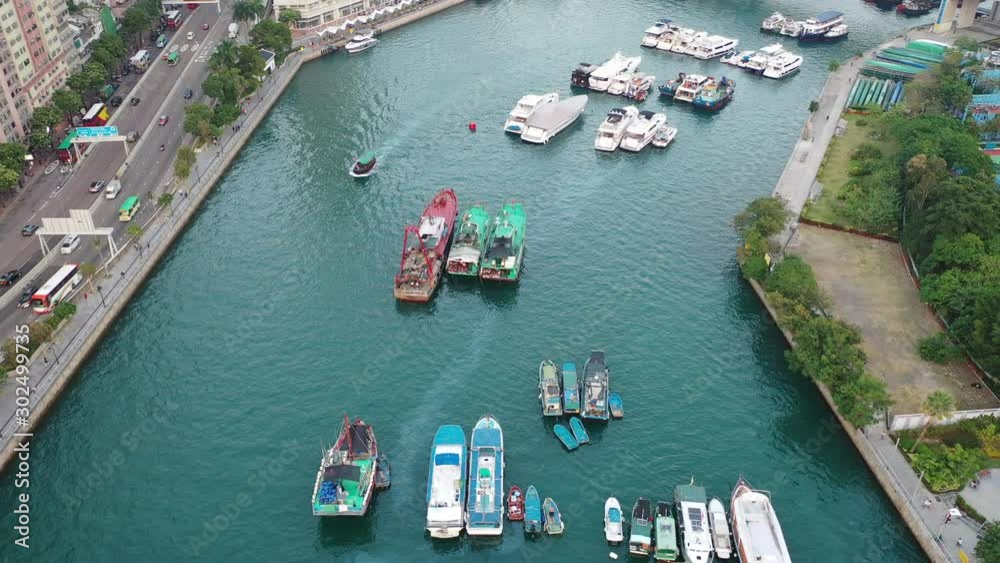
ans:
x=472 y=126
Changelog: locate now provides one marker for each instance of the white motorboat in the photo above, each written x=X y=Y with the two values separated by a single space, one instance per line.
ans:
x=815 y=29
x=782 y=65
x=665 y=135
x=547 y=121
x=733 y=57
x=600 y=79
x=758 y=62
x=652 y=35
x=668 y=37
x=619 y=83
x=720 y=529
x=756 y=528
x=714 y=46
x=690 y=87
x=641 y=131
x=612 y=129
x=446 y=483
x=361 y=41
x=791 y=28
x=639 y=87
x=695 y=43
x=836 y=32
x=684 y=37
x=614 y=529
x=772 y=22
x=689 y=504
x=524 y=108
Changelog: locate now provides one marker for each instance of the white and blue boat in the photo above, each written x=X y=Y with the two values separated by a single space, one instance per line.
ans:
x=484 y=509
x=446 y=483
x=816 y=29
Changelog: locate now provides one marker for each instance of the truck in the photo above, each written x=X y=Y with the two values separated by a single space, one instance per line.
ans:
x=234 y=28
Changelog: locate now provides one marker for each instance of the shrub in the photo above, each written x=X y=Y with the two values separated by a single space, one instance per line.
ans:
x=939 y=348
x=791 y=314
x=860 y=122
x=989 y=437
x=968 y=510
x=988 y=547
x=828 y=350
x=794 y=279
x=947 y=469
x=754 y=268
x=867 y=151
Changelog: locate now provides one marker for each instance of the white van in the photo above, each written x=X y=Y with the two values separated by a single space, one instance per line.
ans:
x=234 y=28
x=69 y=244
x=111 y=192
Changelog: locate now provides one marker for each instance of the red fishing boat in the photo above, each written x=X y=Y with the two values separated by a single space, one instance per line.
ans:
x=425 y=247
x=515 y=504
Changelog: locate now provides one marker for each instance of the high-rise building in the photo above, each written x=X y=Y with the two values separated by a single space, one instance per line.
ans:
x=34 y=37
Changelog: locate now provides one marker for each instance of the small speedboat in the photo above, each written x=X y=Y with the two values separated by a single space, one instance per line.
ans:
x=639 y=87
x=720 y=529
x=553 y=519
x=532 y=511
x=664 y=136
x=515 y=504
x=579 y=432
x=361 y=41
x=615 y=400
x=613 y=529
x=526 y=106
x=364 y=166
x=566 y=437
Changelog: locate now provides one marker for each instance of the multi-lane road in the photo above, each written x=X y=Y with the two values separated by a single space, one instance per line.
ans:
x=147 y=169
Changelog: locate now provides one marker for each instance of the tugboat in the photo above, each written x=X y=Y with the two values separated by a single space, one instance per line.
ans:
x=505 y=247
x=364 y=166
x=467 y=249
x=715 y=95
x=640 y=539
x=346 y=479
x=423 y=256
x=515 y=504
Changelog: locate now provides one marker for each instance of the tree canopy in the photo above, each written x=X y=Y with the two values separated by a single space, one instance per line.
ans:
x=273 y=36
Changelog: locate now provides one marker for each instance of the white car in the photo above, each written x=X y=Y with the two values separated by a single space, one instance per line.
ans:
x=69 y=244
x=190 y=35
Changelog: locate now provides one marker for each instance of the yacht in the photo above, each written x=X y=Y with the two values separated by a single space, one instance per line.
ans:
x=524 y=108
x=664 y=136
x=815 y=29
x=791 y=28
x=652 y=35
x=836 y=32
x=734 y=57
x=641 y=131
x=715 y=46
x=695 y=43
x=758 y=61
x=756 y=528
x=689 y=503
x=600 y=79
x=667 y=38
x=361 y=41
x=681 y=41
x=782 y=65
x=622 y=81
x=690 y=87
x=581 y=75
x=547 y=121
x=446 y=483
x=772 y=22
x=612 y=129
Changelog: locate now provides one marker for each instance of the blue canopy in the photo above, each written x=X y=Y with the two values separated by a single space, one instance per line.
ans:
x=446 y=459
x=828 y=15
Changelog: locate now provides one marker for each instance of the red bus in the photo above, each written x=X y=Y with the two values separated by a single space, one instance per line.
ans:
x=96 y=116
x=56 y=289
x=174 y=19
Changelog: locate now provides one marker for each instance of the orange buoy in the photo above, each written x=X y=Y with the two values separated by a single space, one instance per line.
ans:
x=472 y=126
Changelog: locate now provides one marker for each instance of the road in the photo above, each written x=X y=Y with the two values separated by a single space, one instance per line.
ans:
x=160 y=90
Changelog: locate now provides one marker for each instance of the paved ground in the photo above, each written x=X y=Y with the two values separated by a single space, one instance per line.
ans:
x=871 y=289
x=985 y=498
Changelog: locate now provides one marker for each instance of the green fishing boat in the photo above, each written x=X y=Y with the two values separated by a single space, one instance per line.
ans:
x=505 y=247
x=470 y=240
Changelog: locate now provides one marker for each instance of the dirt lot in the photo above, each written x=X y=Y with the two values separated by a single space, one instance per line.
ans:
x=871 y=289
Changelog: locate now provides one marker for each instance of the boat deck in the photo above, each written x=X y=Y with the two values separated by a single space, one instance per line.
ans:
x=760 y=538
x=344 y=488
x=485 y=506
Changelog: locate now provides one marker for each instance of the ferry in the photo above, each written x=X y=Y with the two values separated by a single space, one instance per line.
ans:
x=484 y=509
x=714 y=46
x=446 y=483
x=505 y=246
x=470 y=241
x=600 y=79
x=689 y=504
x=596 y=382
x=782 y=65
x=346 y=478
x=612 y=129
x=526 y=106
x=652 y=35
x=547 y=121
x=640 y=133
x=423 y=256
x=815 y=29
x=756 y=528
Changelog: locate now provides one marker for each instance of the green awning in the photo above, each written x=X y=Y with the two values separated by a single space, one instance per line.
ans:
x=366 y=158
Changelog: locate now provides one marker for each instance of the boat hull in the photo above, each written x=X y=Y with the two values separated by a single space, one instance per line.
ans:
x=449 y=441
x=353 y=49
x=422 y=293
x=714 y=105
x=445 y=533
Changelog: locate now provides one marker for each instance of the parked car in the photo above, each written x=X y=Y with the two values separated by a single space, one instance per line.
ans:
x=26 y=295
x=188 y=94
x=115 y=101
x=134 y=101
x=164 y=119
x=10 y=277
x=29 y=230
x=96 y=187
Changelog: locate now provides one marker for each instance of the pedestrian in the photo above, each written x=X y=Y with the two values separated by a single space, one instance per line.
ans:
x=947 y=518
x=927 y=503
x=828 y=118
x=45 y=359
x=84 y=295
x=123 y=273
x=147 y=246
x=959 y=542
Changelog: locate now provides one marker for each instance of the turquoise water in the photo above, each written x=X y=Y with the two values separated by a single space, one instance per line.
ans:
x=194 y=432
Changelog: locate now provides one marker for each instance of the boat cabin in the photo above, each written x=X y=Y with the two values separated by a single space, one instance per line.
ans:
x=431 y=230
x=581 y=74
x=365 y=164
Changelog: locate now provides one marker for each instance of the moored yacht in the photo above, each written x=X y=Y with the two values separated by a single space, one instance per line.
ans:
x=758 y=61
x=836 y=32
x=612 y=129
x=446 y=483
x=641 y=131
x=689 y=505
x=580 y=77
x=484 y=510
x=682 y=40
x=815 y=29
x=791 y=28
x=667 y=38
x=665 y=135
x=652 y=35
x=782 y=65
x=714 y=46
x=361 y=41
x=734 y=57
x=772 y=22
x=600 y=79
x=547 y=121
x=619 y=83
x=696 y=41
x=756 y=528
x=690 y=87
x=524 y=108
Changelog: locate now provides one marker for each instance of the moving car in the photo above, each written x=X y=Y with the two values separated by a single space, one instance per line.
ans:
x=10 y=277
x=116 y=101
x=134 y=101
x=190 y=35
x=188 y=94
x=96 y=187
x=163 y=120
x=204 y=26
x=69 y=244
x=26 y=295
x=132 y=136
x=29 y=230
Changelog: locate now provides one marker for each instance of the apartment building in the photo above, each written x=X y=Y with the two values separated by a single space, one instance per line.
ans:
x=34 y=40
x=321 y=13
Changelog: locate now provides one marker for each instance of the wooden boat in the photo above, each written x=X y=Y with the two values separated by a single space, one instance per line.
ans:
x=383 y=475
x=640 y=539
x=345 y=482
x=616 y=405
x=566 y=437
x=571 y=389
x=666 y=534
x=596 y=381
x=720 y=529
x=579 y=432
x=532 y=511
x=470 y=240
x=553 y=519
x=548 y=388
x=613 y=527
x=505 y=246
x=515 y=504
x=423 y=255
x=756 y=528
x=364 y=166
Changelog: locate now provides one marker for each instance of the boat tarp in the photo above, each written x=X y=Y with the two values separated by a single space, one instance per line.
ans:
x=342 y=473
x=550 y=116
x=690 y=493
x=366 y=158
x=447 y=459
x=360 y=440
x=486 y=438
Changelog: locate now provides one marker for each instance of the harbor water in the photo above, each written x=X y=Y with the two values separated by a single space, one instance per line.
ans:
x=195 y=430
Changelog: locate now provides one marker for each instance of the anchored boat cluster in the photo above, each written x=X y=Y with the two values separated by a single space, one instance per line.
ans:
x=563 y=394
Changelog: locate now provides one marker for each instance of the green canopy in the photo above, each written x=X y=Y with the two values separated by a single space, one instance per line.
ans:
x=367 y=158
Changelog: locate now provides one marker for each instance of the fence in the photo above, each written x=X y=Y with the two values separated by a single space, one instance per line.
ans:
x=910 y=421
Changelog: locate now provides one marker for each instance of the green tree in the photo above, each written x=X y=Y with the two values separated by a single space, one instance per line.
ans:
x=45 y=118
x=68 y=102
x=861 y=400
x=938 y=348
x=96 y=74
x=198 y=121
x=249 y=61
x=963 y=251
x=966 y=44
x=793 y=278
x=247 y=10
x=813 y=106
x=225 y=56
x=224 y=114
x=165 y=200
x=134 y=22
x=273 y=36
x=185 y=161
x=134 y=231
x=12 y=155
x=766 y=215
x=828 y=350
x=78 y=83
x=40 y=140
x=228 y=86
x=8 y=179
x=923 y=174
x=937 y=406
x=988 y=547
x=289 y=16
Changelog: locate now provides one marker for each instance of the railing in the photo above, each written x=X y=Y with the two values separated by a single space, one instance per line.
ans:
x=908 y=421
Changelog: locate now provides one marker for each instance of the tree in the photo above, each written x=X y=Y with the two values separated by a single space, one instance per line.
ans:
x=89 y=270
x=938 y=348
x=964 y=252
x=766 y=215
x=249 y=61
x=68 y=102
x=99 y=245
x=166 y=199
x=134 y=22
x=794 y=279
x=8 y=179
x=45 y=118
x=813 y=106
x=40 y=140
x=96 y=74
x=966 y=44
x=12 y=155
x=247 y=10
x=988 y=547
x=228 y=86
x=937 y=406
x=833 y=66
x=827 y=350
x=185 y=161
x=225 y=56
x=861 y=401
x=923 y=174
x=134 y=231
x=224 y=114
x=272 y=36
x=195 y=115
x=78 y=83
x=289 y=16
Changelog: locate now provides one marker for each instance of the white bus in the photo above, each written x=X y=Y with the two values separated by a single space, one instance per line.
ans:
x=140 y=61
x=56 y=289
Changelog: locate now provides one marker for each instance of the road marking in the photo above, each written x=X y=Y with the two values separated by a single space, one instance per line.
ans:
x=195 y=47
x=184 y=47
